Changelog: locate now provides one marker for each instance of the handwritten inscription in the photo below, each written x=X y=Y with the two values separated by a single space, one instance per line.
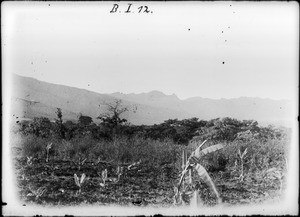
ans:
x=130 y=9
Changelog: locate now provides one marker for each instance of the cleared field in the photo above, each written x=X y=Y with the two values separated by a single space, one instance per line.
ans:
x=150 y=171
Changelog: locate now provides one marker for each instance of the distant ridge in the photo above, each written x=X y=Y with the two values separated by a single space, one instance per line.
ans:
x=32 y=97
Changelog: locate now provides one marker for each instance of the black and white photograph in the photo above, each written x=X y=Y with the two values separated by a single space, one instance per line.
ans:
x=119 y=108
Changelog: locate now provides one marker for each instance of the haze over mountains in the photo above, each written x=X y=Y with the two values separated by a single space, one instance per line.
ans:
x=34 y=98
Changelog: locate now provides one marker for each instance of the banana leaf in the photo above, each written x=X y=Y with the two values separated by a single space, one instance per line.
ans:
x=206 y=178
x=76 y=179
x=82 y=178
x=194 y=162
x=200 y=153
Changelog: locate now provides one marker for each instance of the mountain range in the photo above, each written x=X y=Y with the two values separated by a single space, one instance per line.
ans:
x=34 y=98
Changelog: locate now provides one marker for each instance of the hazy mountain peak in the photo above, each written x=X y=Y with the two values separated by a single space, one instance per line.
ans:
x=152 y=95
x=159 y=94
x=156 y=93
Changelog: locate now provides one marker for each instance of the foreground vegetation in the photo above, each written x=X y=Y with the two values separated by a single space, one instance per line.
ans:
x=66 y=163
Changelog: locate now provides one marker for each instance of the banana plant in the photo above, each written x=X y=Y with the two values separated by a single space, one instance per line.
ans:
x=29 y=160
x=79 y=162
x=241 y=178
x=274 y=173
x=80 y=182
x=119 y=172
x=103 y=178
x=48 y=147
x=36 y=192
x=193 y=163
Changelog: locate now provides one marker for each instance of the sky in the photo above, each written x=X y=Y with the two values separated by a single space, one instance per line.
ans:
x=207 y=49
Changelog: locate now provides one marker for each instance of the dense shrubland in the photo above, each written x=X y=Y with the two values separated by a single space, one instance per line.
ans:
x=253 y=157
x=178 y=131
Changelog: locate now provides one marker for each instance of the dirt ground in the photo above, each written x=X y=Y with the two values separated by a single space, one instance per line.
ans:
x=53 y=183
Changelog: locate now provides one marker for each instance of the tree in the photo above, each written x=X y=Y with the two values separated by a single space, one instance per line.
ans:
x=59 y=122
x=84 y=120
x=70 y=129
x=187 y=129
x=112 y=118
x=41 y=127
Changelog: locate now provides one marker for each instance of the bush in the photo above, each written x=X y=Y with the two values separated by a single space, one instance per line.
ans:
x=264 y=150
x=34 y=146
x=40 y=127
x=260 y=156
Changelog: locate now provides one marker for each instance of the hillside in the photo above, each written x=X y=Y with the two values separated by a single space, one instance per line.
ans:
x=32 y=97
